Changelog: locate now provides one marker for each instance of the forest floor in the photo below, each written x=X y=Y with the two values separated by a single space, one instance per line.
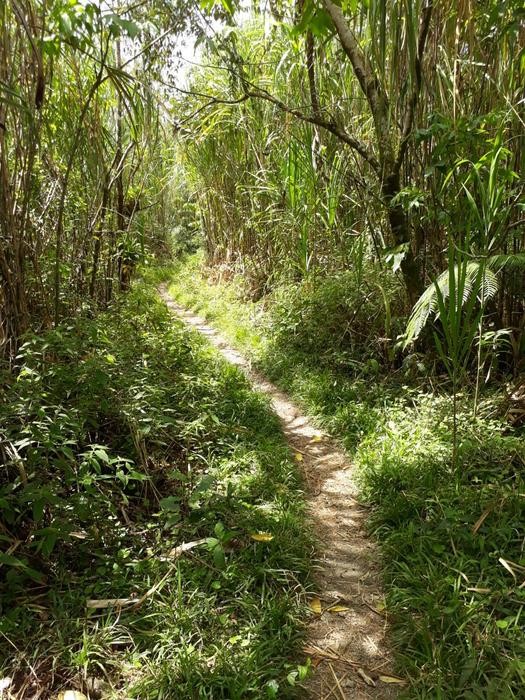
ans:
x=157 y=529
x=162 y=548
x=347 y=635
x=449 y=532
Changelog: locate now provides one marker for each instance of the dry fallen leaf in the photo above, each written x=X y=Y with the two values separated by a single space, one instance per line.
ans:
x=392 y=679
x=186 y=546
x=479 y=522
x=262 y=537
x=507 y=566
x=321 y=653
x=108 y=603
x=367 y=679
x=315 y=606
x=316 y=438
x=71 y=695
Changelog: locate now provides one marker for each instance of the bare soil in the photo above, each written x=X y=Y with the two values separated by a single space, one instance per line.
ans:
x=348 y=648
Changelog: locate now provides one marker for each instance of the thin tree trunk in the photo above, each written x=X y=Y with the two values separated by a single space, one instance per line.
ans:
x=98 y=237
x=390 y=156
x=62 y=202
x=400 y=228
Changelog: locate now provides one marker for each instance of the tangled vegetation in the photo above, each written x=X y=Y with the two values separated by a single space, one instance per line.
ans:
x=131 y=566
x=339 y=186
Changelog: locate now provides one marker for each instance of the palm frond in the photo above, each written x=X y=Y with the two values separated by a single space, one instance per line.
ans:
x=479 y=281
x=511 y=261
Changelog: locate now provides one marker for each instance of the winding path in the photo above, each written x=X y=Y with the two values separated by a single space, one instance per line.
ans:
x=348 y=645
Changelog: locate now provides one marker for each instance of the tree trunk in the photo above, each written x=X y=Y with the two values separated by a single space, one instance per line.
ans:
x=391 y=147
x=399 y=225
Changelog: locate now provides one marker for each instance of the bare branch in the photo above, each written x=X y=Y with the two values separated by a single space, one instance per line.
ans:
x=330 y=126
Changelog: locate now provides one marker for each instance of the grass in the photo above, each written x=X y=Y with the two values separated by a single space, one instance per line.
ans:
x=132 y=438
x=219 y=302
x=452 y=540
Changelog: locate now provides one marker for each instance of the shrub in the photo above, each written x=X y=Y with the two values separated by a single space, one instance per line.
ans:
x=341 y=322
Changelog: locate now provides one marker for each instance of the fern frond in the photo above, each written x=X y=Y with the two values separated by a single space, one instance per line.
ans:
x=488 y=284
x=426 y=305
x=483 y=283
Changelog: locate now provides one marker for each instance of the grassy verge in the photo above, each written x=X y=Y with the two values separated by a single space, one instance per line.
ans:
x=452 y=540
x=126 y=437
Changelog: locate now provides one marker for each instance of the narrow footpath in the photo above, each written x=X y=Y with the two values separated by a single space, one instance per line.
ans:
x=347 y=641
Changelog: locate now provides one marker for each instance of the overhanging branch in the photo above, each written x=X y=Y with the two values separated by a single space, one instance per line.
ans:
x=255 y=92
x=369 y=82
x=330 y=126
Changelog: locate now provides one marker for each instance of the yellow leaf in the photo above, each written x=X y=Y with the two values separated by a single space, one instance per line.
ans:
x=315 y=606
x=262 y=537
x=316 y=438
x=392 y=679
x=71 y=695
x=338 y=609
x=298 y=456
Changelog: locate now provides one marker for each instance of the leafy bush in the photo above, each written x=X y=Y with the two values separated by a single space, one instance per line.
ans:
x=337 y=320
x=185 y=237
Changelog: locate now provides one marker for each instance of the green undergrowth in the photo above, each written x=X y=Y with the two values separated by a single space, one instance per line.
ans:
x=123 y=438
x=452 y=538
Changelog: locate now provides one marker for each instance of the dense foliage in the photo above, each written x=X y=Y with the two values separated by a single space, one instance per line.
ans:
x=316 y=169
x=130 y=438
x=84 y=158
x=353 y=172
x=451 y=529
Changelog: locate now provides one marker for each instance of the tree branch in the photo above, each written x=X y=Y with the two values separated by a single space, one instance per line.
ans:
x=211 y=101
x=414 y=98
x=370 y=84
x=330 y=126
x=253 y=91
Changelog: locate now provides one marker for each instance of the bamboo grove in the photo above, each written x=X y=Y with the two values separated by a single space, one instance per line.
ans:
x=337 y=185
x=83 y=159
x=383 y=134
x=317 y=138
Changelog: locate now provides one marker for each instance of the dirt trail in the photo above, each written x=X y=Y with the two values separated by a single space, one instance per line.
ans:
x=348 y=648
